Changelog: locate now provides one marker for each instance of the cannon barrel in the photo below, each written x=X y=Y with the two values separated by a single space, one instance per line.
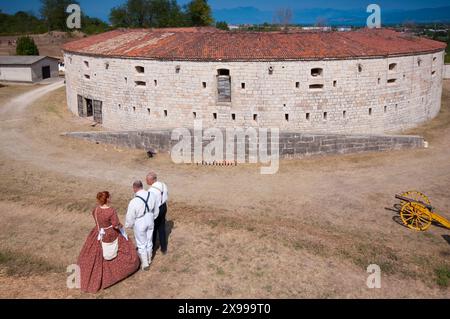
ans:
x=406 y=199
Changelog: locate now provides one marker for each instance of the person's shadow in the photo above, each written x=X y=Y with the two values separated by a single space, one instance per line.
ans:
x=169 y=226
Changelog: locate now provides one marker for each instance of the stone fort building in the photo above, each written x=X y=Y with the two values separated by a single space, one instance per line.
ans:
x=365 y=81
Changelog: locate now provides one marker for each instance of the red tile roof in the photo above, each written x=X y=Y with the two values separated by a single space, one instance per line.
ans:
x=209 y=44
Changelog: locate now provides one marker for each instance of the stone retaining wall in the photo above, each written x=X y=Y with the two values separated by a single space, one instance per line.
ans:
x=290 y=144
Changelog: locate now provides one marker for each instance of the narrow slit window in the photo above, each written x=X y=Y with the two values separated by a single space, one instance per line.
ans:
x=243 y=85
x=325 y=115
x=391 y=81
x=334 y=83
x=140 y=69
x=194 y=115
x=297 y=85
x=433 y=73
x=307 y=116
x=392 y=66
x=233 y=116
x=215 y=116
x=86 y=64
x=148 y=111
x=370 y=111
x=134 y=108
x=385 y=108
x=165 y=113
x=140 y=83
x=344 y=114
x=316 y=72
x=286 y=117
x=316 y=86
x=379 y=80
x=87 y=76
x=204 y=85
x=419 y=62
x=360 y=68
x=156 y=82
x=177 y=69
x=255 y=117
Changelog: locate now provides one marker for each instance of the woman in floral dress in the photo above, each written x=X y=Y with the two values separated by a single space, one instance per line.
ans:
x=96 y=272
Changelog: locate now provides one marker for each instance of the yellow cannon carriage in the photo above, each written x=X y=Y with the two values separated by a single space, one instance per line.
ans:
x=417 y=213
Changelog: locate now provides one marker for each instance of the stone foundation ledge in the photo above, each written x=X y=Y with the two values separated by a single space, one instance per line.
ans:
x=290 y=144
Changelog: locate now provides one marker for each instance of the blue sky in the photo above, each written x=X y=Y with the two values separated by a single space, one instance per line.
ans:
x=101 y=8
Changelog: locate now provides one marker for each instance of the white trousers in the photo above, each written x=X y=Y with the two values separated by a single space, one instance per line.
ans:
x=143 y=232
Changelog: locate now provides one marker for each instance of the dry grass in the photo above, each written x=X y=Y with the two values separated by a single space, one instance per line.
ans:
x=309 y=231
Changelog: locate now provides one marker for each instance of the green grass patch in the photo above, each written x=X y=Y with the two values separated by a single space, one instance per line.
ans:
x=19 y=264
x=443 y=276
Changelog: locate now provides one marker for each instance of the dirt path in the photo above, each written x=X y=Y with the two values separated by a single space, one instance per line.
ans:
x=309 y=231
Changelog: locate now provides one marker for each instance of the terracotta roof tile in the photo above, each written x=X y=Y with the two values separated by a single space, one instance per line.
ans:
x=214 y=45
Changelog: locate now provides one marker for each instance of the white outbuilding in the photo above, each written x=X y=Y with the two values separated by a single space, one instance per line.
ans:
x=27 y=68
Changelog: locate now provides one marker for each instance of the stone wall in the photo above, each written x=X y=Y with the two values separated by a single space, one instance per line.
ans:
x=290 y=144
x=363 y=96
x=447 y=71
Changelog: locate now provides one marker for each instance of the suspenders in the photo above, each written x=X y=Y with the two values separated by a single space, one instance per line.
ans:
x=147 y=209
x=161 y=190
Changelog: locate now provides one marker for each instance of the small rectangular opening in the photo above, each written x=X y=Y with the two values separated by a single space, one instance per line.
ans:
x=307 y=116
x=165 y=113
x=177 y=69
x=233 y=116
x=316 y=86
x=156 y=82
x=379 y=80
x=255 y=117
x=134 y=108
x=370 y=111
x=385 y=108
x=433 y=73
x=139 y=69
x=391 y=81
x=140 y=83
x=344 y=114
x=434 y=59
x=316 y=72
x=204 y=85
x=242 y=85
x=392 y=66
x=325 y=115
x=86 y=64
x=148 y=111
x=334 y=83
x=215 y=116
x=194 y=115
x=286 y=117
x=297 y=85
x=87 y=76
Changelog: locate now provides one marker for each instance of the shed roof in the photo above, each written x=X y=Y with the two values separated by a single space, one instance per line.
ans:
x=22 y=59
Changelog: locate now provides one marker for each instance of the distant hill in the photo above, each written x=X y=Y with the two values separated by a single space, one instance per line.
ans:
x=358 y=17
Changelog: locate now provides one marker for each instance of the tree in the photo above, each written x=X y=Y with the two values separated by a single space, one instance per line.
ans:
x=54 y=13
x=283 y=17
x=26 y=46
x=148 y=13
x=222 y=25
x=199 y=13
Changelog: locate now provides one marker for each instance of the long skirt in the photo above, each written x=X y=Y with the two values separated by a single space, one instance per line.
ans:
x=98 y=273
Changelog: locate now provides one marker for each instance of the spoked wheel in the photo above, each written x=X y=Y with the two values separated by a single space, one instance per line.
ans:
x=415 y=196
x=416 y=216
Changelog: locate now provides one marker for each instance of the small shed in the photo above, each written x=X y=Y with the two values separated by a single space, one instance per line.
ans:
x=27 y=68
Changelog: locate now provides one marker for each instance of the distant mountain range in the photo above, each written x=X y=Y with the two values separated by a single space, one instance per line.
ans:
x=357 y=17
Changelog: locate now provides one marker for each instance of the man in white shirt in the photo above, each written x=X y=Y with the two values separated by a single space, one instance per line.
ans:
x=159 y=189
x=141 y=213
